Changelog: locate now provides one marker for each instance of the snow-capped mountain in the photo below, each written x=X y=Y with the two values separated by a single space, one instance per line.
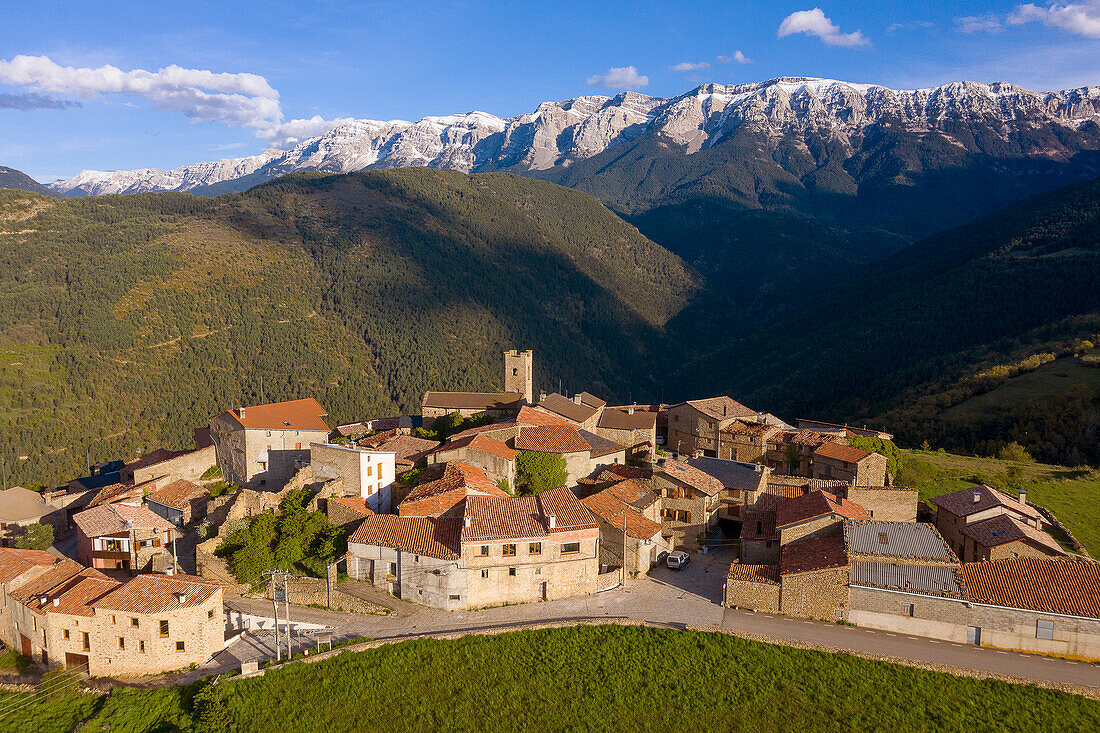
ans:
x=978 y=117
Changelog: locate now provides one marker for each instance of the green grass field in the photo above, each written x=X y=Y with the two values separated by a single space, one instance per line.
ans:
x=584 y=678
x=1043 y=386
x=1072 y=494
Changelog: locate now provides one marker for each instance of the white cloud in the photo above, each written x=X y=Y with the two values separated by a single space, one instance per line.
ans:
x=737 y=56
x=293 y=132
x=688 y=66
x=32 y=100
x=619 y=77
x=916 y=25
x=814 y=23
x=1082 y=19
x=979 y=24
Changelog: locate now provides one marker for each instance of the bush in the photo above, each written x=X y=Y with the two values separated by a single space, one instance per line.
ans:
x=35 y=537
x=13 y=661
x=537 y=472
x=212 y=472
x=1014 y=452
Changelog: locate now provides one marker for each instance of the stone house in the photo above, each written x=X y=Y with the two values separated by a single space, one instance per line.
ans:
x=622 y=524
x=495 y=458
x=854 y=465
x=844 y=431
x=446 y=496
x=628 y=426
x=367 y=474
x=1004 y=537
x=60 y=613
x=20 y=508
x=179 y=502
x=582 y=411
x=741 y=482
x=690 y=500
x=696 y=425
x=753 y=586
x=891 y=503
x=957 y=511
x=408 y=452
x=814 y=515
x=123 y=537
x=346 y=510
x=759 y=539
x=263 y=446
x=518 y=391
x=188 y=465
x=746 y=440
x=499 y=550
x=584 y=452
x=785 y=447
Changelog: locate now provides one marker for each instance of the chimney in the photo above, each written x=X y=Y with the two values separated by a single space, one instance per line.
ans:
x=660 y=461
x=1023 y=496
x=977 y=497
x=577 y=398
x=57 y=602
x=630 y=410
x=551 y=520
x=42 y=600
x=181 y=598
x=240 y=413
x=466 y=520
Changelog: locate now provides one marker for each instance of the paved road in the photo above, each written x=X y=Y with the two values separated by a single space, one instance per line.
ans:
x=688 y=597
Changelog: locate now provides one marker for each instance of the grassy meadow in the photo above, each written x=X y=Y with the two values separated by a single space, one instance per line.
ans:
x=583 y=678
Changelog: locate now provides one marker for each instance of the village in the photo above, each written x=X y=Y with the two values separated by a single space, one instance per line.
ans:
x=491 y=499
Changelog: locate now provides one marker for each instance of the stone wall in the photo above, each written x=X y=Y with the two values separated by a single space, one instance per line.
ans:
x=889 y=504
x=760 y=552
x=314 y=592
x=753 y=596
x=812 y=529
x=909 y=613
x=820 y=594
x=188 y=467
x=1053 y=520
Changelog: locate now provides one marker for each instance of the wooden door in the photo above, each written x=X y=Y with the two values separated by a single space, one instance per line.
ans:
x=76 y=661
x=25 y=646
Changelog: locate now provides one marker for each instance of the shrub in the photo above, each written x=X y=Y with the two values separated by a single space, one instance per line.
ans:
x=212 y=472
x=537 y=472
x=35 y=537
x=1014 y=452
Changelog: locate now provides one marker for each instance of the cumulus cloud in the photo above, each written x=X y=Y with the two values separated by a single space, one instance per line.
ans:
x=815 y=23
x=32 y=100
x=619 y=77
x=978 y=24
x=295 y=131
x=1082 y=19
x=688 y=66
x=739 y=58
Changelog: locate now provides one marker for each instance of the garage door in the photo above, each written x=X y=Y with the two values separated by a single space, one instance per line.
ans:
x=76 y=661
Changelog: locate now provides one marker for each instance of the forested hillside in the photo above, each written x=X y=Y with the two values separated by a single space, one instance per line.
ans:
x=18 y=180
x=125 y=321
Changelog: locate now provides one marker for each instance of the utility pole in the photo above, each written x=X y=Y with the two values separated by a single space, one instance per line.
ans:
x=623 y=573
x=275 y=603
x=286 y=601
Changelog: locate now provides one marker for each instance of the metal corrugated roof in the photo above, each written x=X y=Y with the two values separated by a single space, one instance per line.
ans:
x=896 y=539
x=938 y=580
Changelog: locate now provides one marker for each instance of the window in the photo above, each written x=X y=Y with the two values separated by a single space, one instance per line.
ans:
x=179 y=646
x=134 y=622
x=65 y=634
x=112 y=546
x=512 y=572
x=883 y=539
x=570 y=548
x=759 y=528
x=838 y=614
x=509 y=550
x=163 y=627
x=1044 y=629
x=393 y=568
x=85 y=641
x=483 y=551
x=141 y=647
x=485 y=573
x=455 y=597
x=269 y=433
x=538 y=571
x=297 y=446
x=909 y=609
x=263 y=465
x=535 y=548
x=370 y=470
x=113 y=619
x=210 y=613
x=121 y=642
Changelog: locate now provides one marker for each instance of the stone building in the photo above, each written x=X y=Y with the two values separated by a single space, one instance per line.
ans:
x=446 y=496
x=844 y=431
x=635 y=429
x=408 y=452
x=263 y=446
x=495 y=458
x=746 y=440
x=1004 y=537
x=754 y=587
x=960 y=510
x=582 y=411
x=891 y=503
x=518 y=391
x=759 y=539
x=188 y=465
x=741 y=482
x=179 y=502
x=518 y=374
x=366 y=474
x=690 y=500
x=60 y=613
x=854 y=465
x=792 y=452
x=926 y=600
x=696 y=425
x=123 y=537
x=584 y=452
x=814 y=515
x=624 y=524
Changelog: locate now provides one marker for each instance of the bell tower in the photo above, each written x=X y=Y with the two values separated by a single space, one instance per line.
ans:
x=517 y=374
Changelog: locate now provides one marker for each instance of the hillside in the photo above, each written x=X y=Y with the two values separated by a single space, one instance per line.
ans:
x=17 y=180
x=129 y=320
x=907 y=338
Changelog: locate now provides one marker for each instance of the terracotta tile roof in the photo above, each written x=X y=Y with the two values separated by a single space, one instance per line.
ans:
x=366 y=426
x=75 y=596
x=933 y=580
x=15 y=562
x=686 y=473
x=961 y=503
x=617 y=418
x=750 y=427
x=907 y=540
x=638 y=493
x=41 y=585
x=807 y=439
x=431 y=536
x=598 y=447
x=777 y=484
x=721 y=408
x=848 y=430
x=149 y=594
x=406 y=448
x=587 y=398
x=488 y=518
x=550 y=439
x=839 y=452
x=612 y=510
x=568 y=511
x=121 y=492
x=473 y=400
x=483 y=443
x=535 y=416
x=113 y=518
x=178 y=494
x=758 y=526
x=816 y=504
x=354 y=503
x=1006 y=528
x=624 y=471
x=457 y=476
x=293 y=415
x=753 y=573
x=1071 y=587
x=567 y=408
x=819 y=554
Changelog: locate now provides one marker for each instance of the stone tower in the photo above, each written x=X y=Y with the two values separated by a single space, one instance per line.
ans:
x=517 y=374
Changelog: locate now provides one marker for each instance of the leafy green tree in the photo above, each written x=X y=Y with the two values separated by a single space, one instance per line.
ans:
x=1014 y=452
x=537 y=472
x=250 y=561
x=882 y=447
x=35 y=537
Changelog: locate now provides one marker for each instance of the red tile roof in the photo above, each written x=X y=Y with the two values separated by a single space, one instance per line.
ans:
x=536 y=416
x=753 y=573
x=615 y=512
x=840 y=452
x=457 y=476
x=688 y=474
x=488 y=518
x=41 y=585
x=483 y=443
x=293 y=415
x=431 y=536
x=568 y=511
x=816 y=504
x=758 y=526
x=818 y=554
x=353 y=503
x=1006 y=528
x=961 y=503
x=75 y=596
x=504 y=427
x=121 y=492
x=636 y=492
x=598 y=446
x=15 y=562
x=148 y=594
x=113 y=519
x=1071 y=587
x=621 y=470
x=550 y=439
x=178 y=494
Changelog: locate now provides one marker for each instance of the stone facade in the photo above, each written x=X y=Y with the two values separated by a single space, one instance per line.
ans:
x=518 y=374
x=974 y=551
x=820 y=594
x=869 y=471
x=888 y=503
x=428 y=581
x=909 y=613
x=495 y=467
x=752 y=595
x=495 y=579
x=189 y=466
x=811 y=529
x=261 y=458
x=686 y=513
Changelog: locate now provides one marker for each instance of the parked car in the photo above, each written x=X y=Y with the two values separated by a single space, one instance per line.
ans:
x=660 y=440
x=678 y=560
x=661 y=556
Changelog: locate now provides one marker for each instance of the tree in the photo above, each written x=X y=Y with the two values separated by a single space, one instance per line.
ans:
x=35 y=537
x=536 y=472
x=882 y=447
x=794 y=459
x=1014 y=452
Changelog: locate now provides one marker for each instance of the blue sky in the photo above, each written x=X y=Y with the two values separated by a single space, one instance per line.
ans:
x=276 y=62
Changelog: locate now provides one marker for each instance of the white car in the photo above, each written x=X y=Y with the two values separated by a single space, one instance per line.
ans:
x=677 y=560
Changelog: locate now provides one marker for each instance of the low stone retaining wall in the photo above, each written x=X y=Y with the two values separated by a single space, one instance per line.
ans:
x=1049 y=516
x=607 y=581
x=314 y=592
